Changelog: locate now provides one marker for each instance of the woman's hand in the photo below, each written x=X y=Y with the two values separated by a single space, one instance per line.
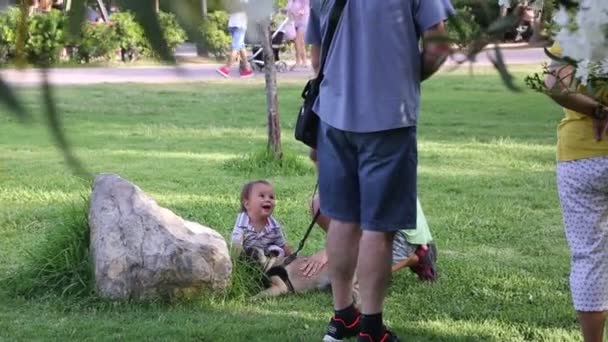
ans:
x=600 y=128
x=314 y=263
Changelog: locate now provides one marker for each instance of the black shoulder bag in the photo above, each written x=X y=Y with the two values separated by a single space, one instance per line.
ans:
x=307 y=124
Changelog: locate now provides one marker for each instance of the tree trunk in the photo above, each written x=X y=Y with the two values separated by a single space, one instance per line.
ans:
x=274 y=127
x=204 y=7
x=104 y=11
x=157 y=6
x=200 y=50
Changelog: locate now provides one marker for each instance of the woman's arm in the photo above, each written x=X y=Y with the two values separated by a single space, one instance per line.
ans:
x=559 y=82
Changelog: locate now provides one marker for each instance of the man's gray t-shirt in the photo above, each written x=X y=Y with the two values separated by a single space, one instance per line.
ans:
x=372 y=73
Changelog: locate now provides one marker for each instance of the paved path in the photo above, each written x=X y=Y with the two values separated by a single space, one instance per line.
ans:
x=191 y=72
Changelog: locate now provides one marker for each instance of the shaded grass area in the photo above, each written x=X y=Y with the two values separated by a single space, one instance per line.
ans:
x=60 y=263
x=486 y=182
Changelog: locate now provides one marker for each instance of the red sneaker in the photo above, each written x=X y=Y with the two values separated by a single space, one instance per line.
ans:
x=224 y=71
x=425 y=269
x=246 y=73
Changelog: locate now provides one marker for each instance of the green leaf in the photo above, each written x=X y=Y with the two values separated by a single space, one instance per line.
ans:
x=564 y=59
x=499 y=64
x=145 y=14
x=189 y=17
x=568 y=4
x=76 y=17
x=486 y=12
x=54 y=123
x=21 y=35
x=8 y=97
x=456 y=25
x=499 y=27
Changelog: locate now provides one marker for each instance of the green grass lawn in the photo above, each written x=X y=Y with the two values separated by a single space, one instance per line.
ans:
x=486 y=182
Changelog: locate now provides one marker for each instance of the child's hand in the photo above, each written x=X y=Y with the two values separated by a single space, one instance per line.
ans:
x=236 y=249
x=287 y=249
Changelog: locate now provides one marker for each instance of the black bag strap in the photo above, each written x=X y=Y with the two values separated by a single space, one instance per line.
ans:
x=294 y=255
x=312 y=224
x=332 y=25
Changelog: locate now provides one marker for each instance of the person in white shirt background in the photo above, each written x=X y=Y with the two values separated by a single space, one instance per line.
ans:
x=237 y=26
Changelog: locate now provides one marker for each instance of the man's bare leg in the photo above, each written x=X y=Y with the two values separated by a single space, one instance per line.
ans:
x=342 y=250
x=374 y=269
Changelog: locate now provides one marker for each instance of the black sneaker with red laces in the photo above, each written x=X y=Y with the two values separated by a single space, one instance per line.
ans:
x=338 y=329
x=387 y=337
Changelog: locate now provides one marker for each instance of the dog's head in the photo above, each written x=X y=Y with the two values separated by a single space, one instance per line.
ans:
x=255 y=254
x=266 y=261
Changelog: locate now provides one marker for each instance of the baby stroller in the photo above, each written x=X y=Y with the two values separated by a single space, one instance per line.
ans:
x=531 y=14
x=277 y=39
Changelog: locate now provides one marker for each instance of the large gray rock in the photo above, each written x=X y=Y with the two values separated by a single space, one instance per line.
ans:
x=141 y=250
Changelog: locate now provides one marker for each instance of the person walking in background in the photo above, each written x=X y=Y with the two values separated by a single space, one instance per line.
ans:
x=298 y=12
x=504 y=6
x=237 y=26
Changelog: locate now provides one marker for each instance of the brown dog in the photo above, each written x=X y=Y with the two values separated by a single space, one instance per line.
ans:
x=289 y=278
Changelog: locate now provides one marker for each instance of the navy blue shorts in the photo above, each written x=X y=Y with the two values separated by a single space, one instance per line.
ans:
x=368 y=178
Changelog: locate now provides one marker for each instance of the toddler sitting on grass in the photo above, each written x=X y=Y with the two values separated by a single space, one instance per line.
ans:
x=255 y=228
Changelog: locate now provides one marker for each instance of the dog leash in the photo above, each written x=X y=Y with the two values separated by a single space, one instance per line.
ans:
x=294 y=255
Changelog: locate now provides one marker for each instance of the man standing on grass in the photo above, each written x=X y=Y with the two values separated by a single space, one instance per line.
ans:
x=368 y=104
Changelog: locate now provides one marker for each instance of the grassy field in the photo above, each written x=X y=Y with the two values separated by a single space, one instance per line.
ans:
x=486 y=182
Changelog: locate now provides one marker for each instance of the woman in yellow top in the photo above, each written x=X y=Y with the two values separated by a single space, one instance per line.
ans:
x=582 y=179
